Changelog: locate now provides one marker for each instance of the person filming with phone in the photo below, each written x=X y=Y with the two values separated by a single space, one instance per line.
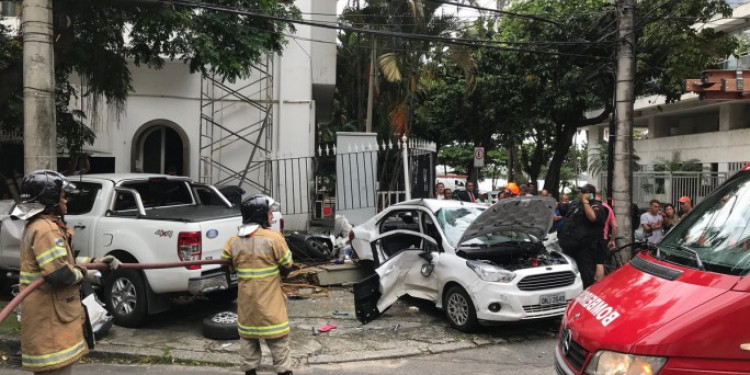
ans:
x=581 y=235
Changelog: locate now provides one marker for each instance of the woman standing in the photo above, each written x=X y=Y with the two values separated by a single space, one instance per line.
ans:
x=670 y=217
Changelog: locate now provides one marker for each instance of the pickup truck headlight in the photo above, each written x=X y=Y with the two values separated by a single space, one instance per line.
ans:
x=613 y=363
x=276 y=207
x=490 y=272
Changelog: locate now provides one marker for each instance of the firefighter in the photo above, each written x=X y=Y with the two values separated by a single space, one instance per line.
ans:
x=53 y=318
x=260 y=257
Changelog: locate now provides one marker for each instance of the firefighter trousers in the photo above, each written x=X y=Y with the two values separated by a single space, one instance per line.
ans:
x=251 y=354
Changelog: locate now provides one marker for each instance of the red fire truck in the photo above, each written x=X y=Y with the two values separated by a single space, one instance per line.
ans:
x=681 y=308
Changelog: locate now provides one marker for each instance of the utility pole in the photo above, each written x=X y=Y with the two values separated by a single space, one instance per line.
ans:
x=39 y=124
x=625 y=97
x=371 y=86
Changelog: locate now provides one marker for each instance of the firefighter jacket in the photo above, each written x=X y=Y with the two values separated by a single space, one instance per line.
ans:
x=257 y=257
x=52 y=317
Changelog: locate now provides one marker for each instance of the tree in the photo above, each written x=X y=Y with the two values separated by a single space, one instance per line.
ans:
x=99 y=40
x=580 y=77
x=676 y=164
x=598 y=161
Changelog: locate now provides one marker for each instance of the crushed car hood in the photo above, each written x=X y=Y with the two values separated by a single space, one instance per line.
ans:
x=532 y=215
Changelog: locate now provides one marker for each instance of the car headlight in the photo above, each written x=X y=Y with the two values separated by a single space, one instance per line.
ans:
x=490 y=272
x=613 y=363
x=572 y=263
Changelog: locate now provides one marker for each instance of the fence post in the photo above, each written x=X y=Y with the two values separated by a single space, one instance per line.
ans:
x=405 y=156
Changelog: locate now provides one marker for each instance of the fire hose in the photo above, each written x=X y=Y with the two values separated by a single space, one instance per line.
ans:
x=103 y=266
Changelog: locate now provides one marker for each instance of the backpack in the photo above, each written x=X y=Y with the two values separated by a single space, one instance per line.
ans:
x=573 y=233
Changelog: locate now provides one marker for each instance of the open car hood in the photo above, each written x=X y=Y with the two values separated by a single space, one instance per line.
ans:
x=532 y=215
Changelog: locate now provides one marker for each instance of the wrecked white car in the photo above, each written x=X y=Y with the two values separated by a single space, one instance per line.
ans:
x=479 y=264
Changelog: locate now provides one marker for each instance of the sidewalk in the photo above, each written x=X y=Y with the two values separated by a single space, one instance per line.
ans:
x=409 y=328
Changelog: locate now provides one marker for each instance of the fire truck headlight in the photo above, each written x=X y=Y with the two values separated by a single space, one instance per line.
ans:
x=613 y=363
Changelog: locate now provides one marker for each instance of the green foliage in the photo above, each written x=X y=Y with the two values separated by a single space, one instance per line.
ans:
x=676 y=164
x=597 y=162
x=98 y=40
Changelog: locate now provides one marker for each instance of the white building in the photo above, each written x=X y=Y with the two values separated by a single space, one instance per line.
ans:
x=228 y=134
x=715 y=132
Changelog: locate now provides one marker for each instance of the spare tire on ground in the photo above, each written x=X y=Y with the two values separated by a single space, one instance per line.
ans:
x=221 y=326
x=308 y=248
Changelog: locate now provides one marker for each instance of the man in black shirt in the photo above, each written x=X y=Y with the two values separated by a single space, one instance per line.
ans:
x=580 y=236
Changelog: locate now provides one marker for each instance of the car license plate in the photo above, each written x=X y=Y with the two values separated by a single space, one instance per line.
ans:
x=552 y=299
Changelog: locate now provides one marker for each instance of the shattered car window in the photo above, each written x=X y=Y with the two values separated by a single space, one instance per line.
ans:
x=454 y=221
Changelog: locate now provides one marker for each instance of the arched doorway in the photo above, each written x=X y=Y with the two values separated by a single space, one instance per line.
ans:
x=160 y=147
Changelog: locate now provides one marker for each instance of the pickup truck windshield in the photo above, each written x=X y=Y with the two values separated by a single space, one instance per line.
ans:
x=718 y=230
x=155 y=193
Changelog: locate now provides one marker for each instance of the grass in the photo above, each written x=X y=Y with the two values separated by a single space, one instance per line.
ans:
x=11 y=324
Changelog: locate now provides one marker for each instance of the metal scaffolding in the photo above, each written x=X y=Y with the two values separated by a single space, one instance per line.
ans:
x=223 y=141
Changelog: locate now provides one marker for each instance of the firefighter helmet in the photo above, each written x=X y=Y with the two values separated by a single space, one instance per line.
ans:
x=44 y=187
x=255 y=210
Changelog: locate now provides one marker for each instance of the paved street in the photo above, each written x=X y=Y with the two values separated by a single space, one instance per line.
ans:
x=528 y=358
x=409 y=338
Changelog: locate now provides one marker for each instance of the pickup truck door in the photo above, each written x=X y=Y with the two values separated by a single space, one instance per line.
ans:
x=82 y=218
x=10 y=240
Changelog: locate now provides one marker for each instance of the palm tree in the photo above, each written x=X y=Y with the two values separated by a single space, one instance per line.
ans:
x=676 y=164
x=598 y=162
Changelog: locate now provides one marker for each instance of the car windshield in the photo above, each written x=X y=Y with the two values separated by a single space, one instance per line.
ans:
x=455 y=220
x=718 y=230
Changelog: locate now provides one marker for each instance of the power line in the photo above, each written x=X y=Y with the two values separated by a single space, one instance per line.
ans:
x=503 y=12
x=420 y=37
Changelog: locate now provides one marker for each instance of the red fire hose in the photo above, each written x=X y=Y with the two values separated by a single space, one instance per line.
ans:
x=103 y=266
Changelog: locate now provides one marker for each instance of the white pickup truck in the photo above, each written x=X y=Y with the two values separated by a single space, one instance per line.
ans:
x=142 y=218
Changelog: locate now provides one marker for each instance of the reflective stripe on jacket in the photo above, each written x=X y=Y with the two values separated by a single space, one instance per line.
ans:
x=261 y=307
x=51 y=319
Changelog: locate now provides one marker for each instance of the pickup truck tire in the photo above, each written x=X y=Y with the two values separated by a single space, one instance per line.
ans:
x=223 y=297
x=125 y=294
x=221 y=326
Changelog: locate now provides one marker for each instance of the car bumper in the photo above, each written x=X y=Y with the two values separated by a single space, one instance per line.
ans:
x=518 y=305
x=211 y=282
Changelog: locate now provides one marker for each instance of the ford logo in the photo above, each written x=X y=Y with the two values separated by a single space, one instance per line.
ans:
x=212 y=233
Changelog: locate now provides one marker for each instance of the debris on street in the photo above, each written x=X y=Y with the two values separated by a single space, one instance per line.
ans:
x=293 y=290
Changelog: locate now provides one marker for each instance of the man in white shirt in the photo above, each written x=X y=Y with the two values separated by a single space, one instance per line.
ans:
x=439 y=191
x=651 y=222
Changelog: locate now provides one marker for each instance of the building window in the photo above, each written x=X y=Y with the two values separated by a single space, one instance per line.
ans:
x=9 y=9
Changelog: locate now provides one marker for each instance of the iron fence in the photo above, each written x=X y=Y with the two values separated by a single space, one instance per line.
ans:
x=668 y=187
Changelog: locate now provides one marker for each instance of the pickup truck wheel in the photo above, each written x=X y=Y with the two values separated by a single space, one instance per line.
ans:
x=221 y=326
x=125 y=296
x=223 y=297
x=460 y=310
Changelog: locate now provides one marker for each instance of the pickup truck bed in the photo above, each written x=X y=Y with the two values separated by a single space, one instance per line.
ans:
x=192 y=214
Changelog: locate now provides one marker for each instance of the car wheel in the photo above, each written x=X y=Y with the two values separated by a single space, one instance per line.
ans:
x=221 y=326
x=460 y=310
x=125 y=296
x=223 y=297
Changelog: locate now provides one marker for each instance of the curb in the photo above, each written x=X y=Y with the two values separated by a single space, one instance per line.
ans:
x=109 y=352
